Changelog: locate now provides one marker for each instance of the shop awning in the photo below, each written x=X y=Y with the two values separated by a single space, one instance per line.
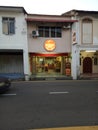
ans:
x=50 y=20
x=49 y=54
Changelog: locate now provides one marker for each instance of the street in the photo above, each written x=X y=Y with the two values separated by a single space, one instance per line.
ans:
x=49 y=104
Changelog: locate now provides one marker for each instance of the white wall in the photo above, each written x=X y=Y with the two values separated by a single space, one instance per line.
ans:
x=95 y=32
x=18 y=41
x=76 y=49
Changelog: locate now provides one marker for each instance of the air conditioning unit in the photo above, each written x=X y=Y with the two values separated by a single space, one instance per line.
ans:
x=35 y=33
x=67 y=27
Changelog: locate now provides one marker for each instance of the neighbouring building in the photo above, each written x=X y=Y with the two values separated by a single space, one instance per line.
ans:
x=85 y=48
x=13 y=42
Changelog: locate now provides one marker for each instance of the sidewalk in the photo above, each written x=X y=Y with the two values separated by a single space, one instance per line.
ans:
x=88 y=76
x=71 y=128
x=50 y=77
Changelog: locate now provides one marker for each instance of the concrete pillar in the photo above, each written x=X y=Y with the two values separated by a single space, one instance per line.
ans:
x=62 y=65
x=26 y=65
x=74 y=62
x=78 y=62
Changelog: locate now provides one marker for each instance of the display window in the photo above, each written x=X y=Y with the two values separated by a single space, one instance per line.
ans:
x=50 y=65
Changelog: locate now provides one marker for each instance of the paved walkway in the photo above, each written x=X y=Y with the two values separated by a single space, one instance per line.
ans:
x=89 y=76
x=71 y=128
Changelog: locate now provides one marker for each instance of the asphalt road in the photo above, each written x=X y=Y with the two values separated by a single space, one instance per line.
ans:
x=46 y=104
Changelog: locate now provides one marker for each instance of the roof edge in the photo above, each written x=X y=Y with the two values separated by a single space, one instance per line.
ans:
x=74 y=11
x=15 y=7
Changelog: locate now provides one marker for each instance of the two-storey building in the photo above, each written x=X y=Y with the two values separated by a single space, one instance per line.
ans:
x=13 y=42
x=50 y=44
x=85 y=48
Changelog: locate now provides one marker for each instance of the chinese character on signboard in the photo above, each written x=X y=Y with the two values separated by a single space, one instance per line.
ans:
x=73 y=37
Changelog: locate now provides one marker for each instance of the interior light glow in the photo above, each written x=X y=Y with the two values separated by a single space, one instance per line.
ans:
x=90 y=51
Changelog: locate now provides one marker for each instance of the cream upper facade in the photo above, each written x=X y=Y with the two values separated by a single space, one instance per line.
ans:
x=36 y=44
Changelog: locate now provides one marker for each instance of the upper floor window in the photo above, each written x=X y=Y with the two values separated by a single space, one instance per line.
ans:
x=87 y=31
x=8 y=25
x=45 y=31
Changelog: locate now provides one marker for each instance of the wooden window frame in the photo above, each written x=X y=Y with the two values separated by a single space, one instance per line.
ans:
x=89 y=21
x=8 y=25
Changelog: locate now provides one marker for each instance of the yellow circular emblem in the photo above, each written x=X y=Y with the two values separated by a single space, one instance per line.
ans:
x=50 y=45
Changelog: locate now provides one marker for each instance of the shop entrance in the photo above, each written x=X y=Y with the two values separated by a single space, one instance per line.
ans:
x=87 y=65
x=49 y=65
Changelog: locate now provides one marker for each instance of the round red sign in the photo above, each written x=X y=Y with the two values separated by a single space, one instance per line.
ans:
x=50 y=45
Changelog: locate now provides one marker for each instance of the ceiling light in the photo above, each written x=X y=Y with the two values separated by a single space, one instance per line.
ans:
x=90 y=51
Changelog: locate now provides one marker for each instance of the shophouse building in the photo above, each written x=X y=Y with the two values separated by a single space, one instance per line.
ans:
x=13 y=42
x=50 y=45
x=85 y=48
